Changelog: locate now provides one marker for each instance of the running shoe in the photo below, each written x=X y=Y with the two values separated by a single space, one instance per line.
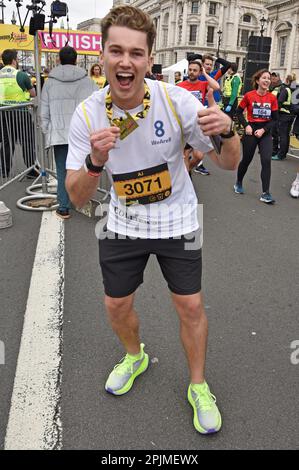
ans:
x=63 y=213
x=276 y=158
x=267 y=198
x=121 y=379
x=207 y=418
x=294 y=191
x=238 y=188
x=201 y=169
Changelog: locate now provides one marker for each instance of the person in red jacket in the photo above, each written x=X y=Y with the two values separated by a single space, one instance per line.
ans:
x=262 y=114
x=198 y=88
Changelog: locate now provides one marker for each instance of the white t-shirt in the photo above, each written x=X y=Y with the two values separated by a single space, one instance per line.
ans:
x=152 y=194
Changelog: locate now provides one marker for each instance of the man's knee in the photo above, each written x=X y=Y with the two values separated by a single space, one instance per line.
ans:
x=118 y=307
x=190 y=308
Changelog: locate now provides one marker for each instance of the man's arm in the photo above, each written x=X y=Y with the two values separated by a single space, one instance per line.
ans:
x=282 y=96
x=211 y=82
x=45 y=108
x=235 y=87
x=80 y=185
x=230 y=154
x=24 y=82
x=224 y=69
x=213 y=121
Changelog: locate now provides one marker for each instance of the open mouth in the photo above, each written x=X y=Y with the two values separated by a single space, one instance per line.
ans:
x=125 y=78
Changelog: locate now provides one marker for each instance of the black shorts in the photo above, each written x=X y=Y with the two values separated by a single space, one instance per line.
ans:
x=123 y=262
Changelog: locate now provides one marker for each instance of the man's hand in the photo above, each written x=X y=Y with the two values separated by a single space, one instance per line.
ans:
x=101 y=143
x=259 y=133
x=248 y=130
x=212 y=120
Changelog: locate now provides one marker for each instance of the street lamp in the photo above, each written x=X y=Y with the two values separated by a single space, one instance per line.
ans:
x=219 y=32
x=263 y=21
x=13 y=18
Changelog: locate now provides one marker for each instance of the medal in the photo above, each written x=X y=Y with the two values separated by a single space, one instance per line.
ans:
x=128 y=124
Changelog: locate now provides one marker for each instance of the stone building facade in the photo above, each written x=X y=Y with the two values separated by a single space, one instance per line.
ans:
x=223 y=27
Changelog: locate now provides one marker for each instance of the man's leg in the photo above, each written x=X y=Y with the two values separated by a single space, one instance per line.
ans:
x=124 y=321
x=285 y=126
x=194 y=335
x=275 y=137
x=193 y=332
x=60 y=153
x=8 y=138
x=125 y=324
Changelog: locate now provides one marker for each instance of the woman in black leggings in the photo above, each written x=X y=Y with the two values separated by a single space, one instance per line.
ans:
x=262 y=112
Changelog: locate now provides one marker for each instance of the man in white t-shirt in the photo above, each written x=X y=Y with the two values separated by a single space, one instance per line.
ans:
x=137 y=128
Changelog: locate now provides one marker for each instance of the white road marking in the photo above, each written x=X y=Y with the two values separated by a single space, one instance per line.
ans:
x=34 y=418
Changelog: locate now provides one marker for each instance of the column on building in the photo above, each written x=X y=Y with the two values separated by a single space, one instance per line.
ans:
x=273 y=35
x=202 y=28
x=291 y=47
x=185 y=38
x=172 y=24
x=158 y=36
x=235 y=26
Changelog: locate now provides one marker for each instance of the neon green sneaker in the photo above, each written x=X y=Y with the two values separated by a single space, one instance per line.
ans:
x=207 y=418
x=121 y=379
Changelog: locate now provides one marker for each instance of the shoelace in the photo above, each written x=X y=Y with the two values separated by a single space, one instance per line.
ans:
x=204 y=399
x=126 y=365
x=295 y=185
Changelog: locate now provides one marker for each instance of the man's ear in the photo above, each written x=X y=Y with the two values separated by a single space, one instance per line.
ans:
x=101 y=59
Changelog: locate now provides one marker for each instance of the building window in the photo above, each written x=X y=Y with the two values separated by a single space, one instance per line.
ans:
x=180 y=8
x=238 y=62
x=243 y=35
x=212 y=8
x=210 y=37
x=243 y=63
x=247 y=19
x=282 y=49
x=194 y=8
x=166 y=19
x=193 y=33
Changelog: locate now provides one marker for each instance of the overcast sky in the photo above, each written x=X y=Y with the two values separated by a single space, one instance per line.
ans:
x=79 y=10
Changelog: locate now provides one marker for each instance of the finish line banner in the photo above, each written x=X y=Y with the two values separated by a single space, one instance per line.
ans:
x=87 y=42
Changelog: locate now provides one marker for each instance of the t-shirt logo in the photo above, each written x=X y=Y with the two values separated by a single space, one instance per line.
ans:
x=159 y=126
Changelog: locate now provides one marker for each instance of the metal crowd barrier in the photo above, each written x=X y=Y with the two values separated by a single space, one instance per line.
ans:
x=18 y=146
x=294 y=147
x=22 y=149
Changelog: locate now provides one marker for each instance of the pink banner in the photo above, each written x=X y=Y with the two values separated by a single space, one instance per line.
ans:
x=83 y=42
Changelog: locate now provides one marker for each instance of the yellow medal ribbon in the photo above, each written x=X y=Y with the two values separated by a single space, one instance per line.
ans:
x=140 y=115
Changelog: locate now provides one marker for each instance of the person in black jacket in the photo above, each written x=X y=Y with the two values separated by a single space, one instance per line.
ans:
x=281 y=138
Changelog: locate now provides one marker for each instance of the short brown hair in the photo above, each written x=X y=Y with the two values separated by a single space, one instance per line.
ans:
x=257 y=76
x=207 y=57
x=196 y=62
x=132 y=18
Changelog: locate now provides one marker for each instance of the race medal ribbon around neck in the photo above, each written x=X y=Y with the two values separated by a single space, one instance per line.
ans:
x=128 y=124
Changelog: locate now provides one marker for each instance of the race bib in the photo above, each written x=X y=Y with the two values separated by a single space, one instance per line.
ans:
x=143 y=186
x=261 y=110
x=197 y=94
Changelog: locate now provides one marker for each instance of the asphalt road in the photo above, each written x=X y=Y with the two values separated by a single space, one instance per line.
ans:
x=251 y=292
